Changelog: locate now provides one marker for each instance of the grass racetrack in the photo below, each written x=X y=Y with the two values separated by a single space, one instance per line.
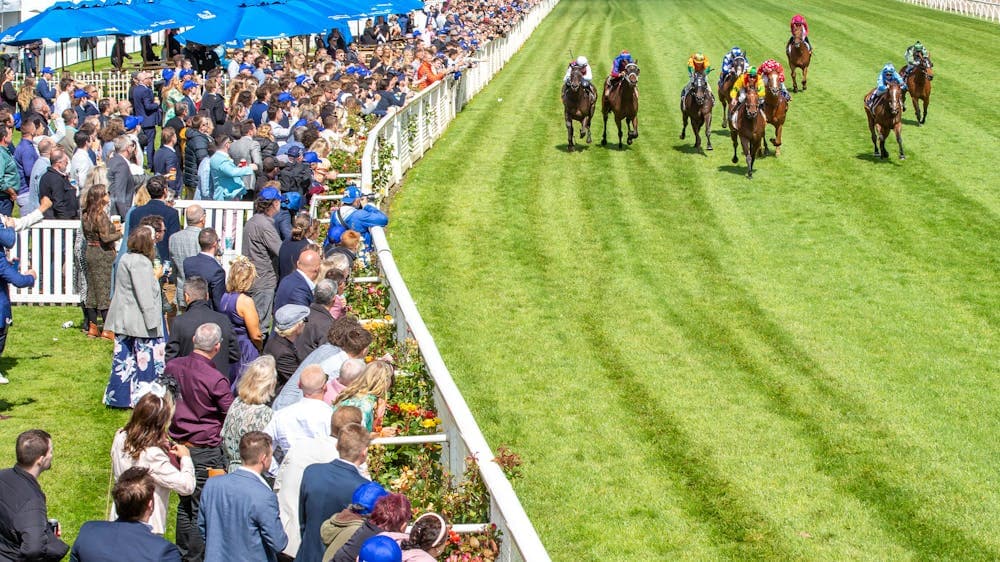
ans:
x=700 y=366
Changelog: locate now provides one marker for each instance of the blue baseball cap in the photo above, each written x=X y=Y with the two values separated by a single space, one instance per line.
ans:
x=132 y=122
x=294 y=152
x=246 y=67
x=46 y=70
x=380 y=548
x=269 y=194
x=285 y=96
x=351 y=194
x=293 y=201
x=79 y=93
x=168 y=74
x=367 y=494
x=189 y=84
x=311 y=158
x=186 y=72
x=302 y=79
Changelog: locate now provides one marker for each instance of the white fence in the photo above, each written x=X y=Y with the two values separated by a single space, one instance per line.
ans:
x=989 y=11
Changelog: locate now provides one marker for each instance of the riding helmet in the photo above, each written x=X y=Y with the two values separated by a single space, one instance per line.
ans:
x=752 y=71
x=581 y=60
x=699 y=57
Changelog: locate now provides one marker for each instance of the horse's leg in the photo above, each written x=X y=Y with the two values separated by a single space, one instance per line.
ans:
x=795 y=81
x=618 y=123
x=633 y=131
x=734 y=134
x=569 y=131
x=696 y=130
x=777 y=138
x=882 y=152
x=708 y=130
x=899 y=140
x=871 y=127
x=604 y=133
x=725 y=110
x=805 y=77
x=748 y=154
x=927 y=101
x=763 y=146
x=684 y=119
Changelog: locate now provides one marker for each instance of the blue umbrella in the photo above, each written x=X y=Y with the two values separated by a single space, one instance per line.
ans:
x=256 y=19
x=155 y=15
x=65 y=20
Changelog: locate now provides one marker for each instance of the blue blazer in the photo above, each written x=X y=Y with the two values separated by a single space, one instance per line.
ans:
x=326 y=489
x=111 y=541
x=239 y=519
x=209 y=269
x=171 y=223
x=9 y=275
x=144 y=106
x=293 y=289
x=163 y=159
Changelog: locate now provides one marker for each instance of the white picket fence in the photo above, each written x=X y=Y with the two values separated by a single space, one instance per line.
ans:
x=989 y=11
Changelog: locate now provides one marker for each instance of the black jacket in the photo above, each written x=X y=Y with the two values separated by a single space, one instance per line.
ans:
x=24 y=529
x=195 y=151
x=184 y=327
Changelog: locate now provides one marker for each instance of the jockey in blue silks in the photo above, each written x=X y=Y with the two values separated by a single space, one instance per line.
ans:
x=617 y=66
x=887 y=76
x=727 y=62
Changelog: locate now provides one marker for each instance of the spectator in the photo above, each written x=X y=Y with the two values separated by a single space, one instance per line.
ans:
x=185 y=244
x=369 y=393
x=213 y=104
x=265 y=138
x=81 y=163
x=101 y=236
x=25 y=533
x=291 y=203
x=350 y=371
x=320 y=318
x=55 y=187
x=157 y=188
x=71 y=122
x=165 y=160
x=10 y=174
x=348 y=246
x=8 y=92
x=296 y=176
x=391 y=514
x=205 y=264
x=128 y=538
x=41 y=167
x=143 y=442
x=227 y=182
x=185 y=326
x=328 y=488
x=380 y=549
x=240 y=309
x=297 y=288
x=146 y=109
x=288 y=481
x=43 y=88
x=246 y=149
x=136 y=318
x=307 y=418
x=196 y=149
x=250 y=410
x=121 y=184
x=303 y=230
x=25 y=155
x=289 y=321
x=239 y=517
x=205 y=399
x=426 y=540
x=336 y=530
x=261 y=244
x=359 y=215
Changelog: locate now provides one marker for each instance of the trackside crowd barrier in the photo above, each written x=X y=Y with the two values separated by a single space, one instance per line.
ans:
x=987 y=10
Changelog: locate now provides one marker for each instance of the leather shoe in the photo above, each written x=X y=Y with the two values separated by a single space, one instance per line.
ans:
x=92 y=331
x=108 y=335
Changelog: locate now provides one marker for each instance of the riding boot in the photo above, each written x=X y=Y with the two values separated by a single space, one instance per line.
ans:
x=808 y=44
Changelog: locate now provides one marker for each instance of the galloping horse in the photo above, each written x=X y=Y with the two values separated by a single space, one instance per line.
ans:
x=775 y=107
x=799 y=56
x=918 y=82
x=885 y=116
x=750 y=130
x=578 y=105
x=623 y=100
x=697 y=106
x=739 y=67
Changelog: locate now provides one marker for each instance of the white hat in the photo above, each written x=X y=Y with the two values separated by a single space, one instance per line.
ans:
x=581 y=60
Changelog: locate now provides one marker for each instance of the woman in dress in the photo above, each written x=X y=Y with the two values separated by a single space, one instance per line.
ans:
x=144 y=442
x=250 y=411
x=369 y=393
x=100 y=236
x=238 y=305
x=172 y=95
x=136 y=318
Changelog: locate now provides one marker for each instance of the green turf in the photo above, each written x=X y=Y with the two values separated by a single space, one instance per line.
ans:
x=700 y=366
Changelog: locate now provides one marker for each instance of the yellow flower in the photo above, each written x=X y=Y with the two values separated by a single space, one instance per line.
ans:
x=437 y=421
x=428 y=424
x=407 y=407
x=388 y=317
x=369 y=358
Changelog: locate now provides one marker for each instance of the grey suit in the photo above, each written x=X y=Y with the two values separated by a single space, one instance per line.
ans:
x=136 y=307
x=261 y=244
x=183 y=245
x=121 y=184
x=247 y=149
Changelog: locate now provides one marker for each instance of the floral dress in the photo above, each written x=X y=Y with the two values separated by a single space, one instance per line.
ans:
x=242 y=419
x=367 y=405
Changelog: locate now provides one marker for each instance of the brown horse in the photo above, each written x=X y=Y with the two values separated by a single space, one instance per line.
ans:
x=775 y=107
x=799 y=56
x=749 y=128
x=578 y=105
x=739 y=67
x=918 y=82
x=697 y=105
x=623 y=100
x=886 y=116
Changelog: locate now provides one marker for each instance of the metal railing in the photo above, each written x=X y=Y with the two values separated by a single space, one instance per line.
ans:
x=989 y=11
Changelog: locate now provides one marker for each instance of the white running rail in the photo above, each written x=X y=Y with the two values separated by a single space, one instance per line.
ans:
x=987 y=10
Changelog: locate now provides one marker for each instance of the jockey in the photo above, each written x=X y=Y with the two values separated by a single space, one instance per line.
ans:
x=581 y=63
x=619 y=63
x=885 y=78
x=911 y=58
x=771 y=65
x=727 y=63
x=799 y=21
x=738 y=93
x=697 y=63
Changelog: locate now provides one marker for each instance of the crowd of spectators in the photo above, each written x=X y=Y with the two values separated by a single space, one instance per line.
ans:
x=249 y=391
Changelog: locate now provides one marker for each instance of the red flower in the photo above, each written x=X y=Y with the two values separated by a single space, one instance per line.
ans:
x=453 y=537
x=429 y=414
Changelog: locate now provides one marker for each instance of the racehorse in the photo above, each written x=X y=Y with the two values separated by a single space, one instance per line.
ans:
x=799 y=56
x=750 y=130
x=623 y=100
x=885 y=116
x=697 y=106
x=739 y=67
x=775 y=107
x=578 y=105
x=918 y=82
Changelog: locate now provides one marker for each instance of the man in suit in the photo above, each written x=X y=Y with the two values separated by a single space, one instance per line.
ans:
x=206 y=266
x=297 y=288
x=157 y=188
x=239 y=512
x=9 y=275
x=146 y=108
x=200 y=312
x=320 y=317
x=327 y=488
x=24 y=530
x=184 y=244
x=129 y=537
x=165 y=159
x=121 y=184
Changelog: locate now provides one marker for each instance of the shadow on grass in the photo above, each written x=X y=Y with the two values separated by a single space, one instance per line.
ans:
x=871 y=157
x=6 y=405
x=690 y=149
x=735 y=169
x=576 y=147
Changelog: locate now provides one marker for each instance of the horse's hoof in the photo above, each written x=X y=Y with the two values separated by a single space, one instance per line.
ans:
x=682 y=136
x=735 y=160
x=795 y=89
x=902 y=157
x=604 y=142
x=709 y=147
x=629 y=141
